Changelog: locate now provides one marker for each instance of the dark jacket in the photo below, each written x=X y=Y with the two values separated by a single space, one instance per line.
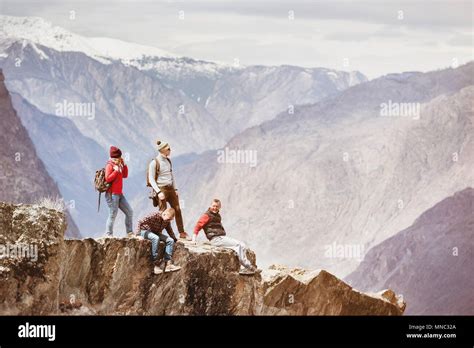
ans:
x=211 y=223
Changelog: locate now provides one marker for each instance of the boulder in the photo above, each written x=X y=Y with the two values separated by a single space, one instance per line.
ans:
x=31 y=244
x=302 y=292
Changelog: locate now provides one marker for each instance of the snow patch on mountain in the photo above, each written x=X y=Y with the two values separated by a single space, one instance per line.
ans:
x=125 y=51
x=105 y=50
x=39 y=31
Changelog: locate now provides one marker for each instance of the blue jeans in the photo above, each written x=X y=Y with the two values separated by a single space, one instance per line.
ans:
x=115 y=202
x=155 y=238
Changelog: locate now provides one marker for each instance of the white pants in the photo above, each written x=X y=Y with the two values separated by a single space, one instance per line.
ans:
x=231 y=243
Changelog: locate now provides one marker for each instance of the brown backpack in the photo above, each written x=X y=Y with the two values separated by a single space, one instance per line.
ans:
x=156 y=172
x=101 y=185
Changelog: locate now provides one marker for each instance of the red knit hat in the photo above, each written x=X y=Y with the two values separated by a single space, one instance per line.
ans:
x=115 y=152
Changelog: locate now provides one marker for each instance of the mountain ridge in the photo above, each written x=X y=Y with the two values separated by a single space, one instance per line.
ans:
x=440 y=239
x=24 y=177
x=341 y=147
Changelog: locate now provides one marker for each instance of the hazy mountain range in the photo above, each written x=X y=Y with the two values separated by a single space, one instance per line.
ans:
x=315 y=167
x=192 y=103
x=23 y=176
x=129 y=95
x=340 y=174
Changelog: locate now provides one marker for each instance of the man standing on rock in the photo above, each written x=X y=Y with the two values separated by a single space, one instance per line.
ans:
x=152 y=227
x=161 y=179
x=210 y=221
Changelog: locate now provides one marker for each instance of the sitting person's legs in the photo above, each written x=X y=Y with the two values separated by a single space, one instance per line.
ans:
x=234 y=244
x=169 y=248
x=154 y=242
x=164 y=236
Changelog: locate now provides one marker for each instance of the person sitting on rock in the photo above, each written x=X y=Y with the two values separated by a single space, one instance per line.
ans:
x=210 y=221
x=156 y=227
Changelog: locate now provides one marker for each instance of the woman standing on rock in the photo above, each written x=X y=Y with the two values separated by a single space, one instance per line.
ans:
x=115 y=171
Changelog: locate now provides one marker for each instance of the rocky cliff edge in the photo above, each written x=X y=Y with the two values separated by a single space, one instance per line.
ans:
x=43 y=274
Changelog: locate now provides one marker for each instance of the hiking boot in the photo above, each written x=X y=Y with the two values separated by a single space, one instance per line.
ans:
x=255 y=269
x=131 y=235
x=160 y=267
x=183 y=235
x=247 y=271
x=250 y=270
x=172 y=268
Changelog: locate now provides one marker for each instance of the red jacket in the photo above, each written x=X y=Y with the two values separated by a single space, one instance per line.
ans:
x=203 y=221
x=115 y=177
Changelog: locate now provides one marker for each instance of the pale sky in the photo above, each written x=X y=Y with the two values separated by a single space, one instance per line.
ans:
x=373 y=36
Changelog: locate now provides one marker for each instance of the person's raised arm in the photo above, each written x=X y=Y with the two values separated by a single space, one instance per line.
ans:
x=110 y=172
x=203 y=220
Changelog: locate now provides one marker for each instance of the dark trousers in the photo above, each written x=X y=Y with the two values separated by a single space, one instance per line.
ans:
x=173 y=200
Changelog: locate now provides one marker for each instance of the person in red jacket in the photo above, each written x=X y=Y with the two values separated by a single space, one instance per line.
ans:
x=211 y=223
x=115 y=171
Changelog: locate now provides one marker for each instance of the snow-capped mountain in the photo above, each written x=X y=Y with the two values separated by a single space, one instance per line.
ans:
x=240 y=96
x=38 y=31
x=140 y=94
x=42 y=32
x=203 y=103
x=127 y=106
